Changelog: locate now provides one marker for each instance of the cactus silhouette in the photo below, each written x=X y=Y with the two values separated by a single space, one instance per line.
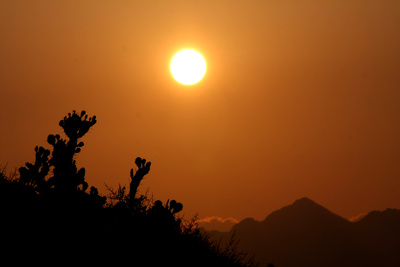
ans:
x=175 y=207
x=137 y=177
x=66 y=176
x=34 y=174
x=171 y=207
x=163 y=216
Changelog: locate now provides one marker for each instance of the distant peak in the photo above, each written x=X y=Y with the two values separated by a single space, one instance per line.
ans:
x=303 y=209
x=248 y=223
x=307 y=204
x=304 y=200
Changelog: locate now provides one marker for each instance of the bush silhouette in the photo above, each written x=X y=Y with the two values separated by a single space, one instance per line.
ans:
x=47 y=208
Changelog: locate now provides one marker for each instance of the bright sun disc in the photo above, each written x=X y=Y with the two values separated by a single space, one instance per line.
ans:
x=188 y=67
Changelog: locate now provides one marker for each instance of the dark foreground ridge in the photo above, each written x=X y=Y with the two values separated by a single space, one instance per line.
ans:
x=307 y=234
x=48 y=212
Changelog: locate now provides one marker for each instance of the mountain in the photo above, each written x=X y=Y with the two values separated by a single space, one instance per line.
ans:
x=307 y=234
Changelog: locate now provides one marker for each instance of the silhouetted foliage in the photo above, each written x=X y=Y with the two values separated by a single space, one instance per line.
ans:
x=56 y=215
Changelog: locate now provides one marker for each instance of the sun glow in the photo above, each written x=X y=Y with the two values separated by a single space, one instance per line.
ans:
x=188 y=67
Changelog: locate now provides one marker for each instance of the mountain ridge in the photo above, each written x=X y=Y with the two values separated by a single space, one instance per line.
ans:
x=307 y=234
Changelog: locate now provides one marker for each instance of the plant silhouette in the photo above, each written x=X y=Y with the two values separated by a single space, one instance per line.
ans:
x=56 y=214
x=137 y=177
x=67 y=178
x=34 y=174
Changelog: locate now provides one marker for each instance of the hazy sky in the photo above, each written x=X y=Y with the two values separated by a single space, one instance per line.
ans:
x=300 y=98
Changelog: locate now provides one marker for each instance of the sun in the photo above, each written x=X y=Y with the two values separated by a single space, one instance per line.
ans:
x=188 y=67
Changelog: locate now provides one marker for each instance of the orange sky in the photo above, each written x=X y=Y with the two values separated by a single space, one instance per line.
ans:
x=300 y=98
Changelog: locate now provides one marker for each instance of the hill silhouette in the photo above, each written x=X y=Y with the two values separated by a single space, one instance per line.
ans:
x=307 y=234
x=48 y=213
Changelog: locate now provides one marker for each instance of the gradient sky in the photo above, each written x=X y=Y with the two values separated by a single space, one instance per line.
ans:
x=300 y=98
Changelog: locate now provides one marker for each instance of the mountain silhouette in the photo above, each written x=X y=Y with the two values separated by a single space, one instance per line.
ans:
x=307 y=234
